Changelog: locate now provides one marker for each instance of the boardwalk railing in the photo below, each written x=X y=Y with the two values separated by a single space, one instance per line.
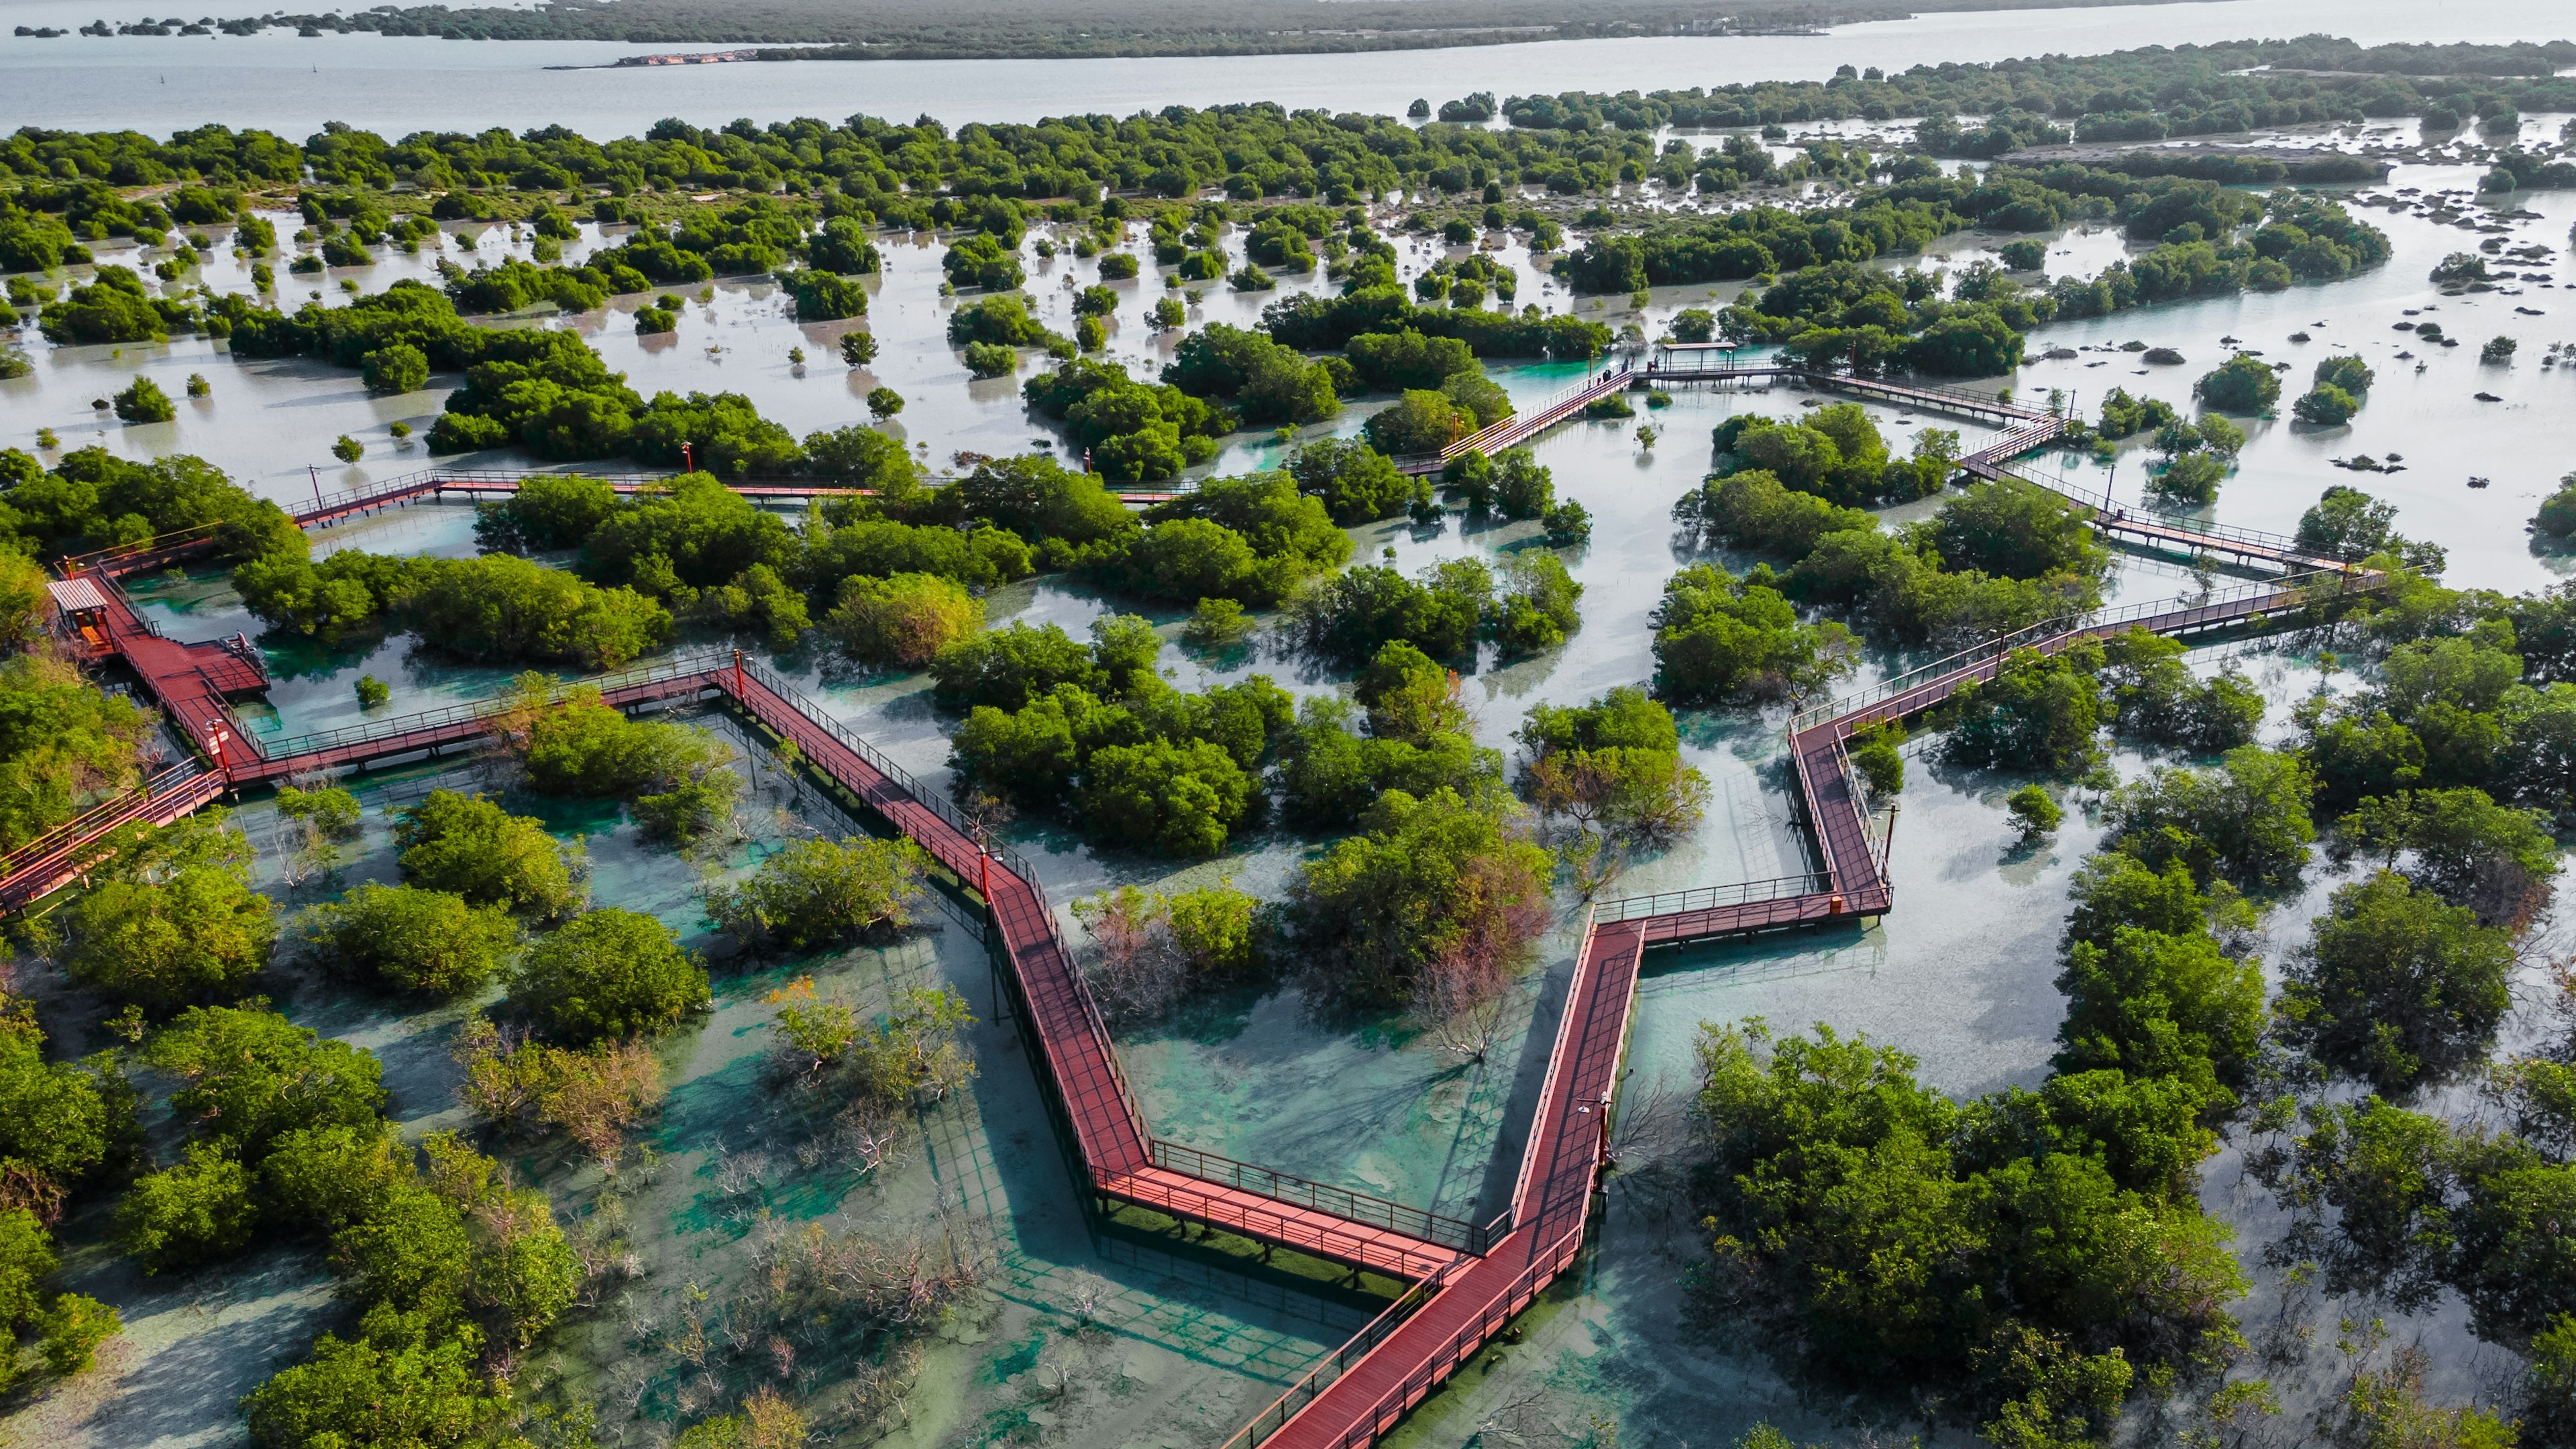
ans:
x=1711 y=898
x=109 y=582
x=1449 y=1232
x=2195 y=535
x=2059 y=484
x=1565 y=403
x=1098 y=1024
x=1954 y=399
x=1462 y=1344
x=406 y=486
x=424 y=480
x=66 y=855
x=1996 y=456
x=1333 y=1365
x=709 y=664
x=1548 y=1085
x=937 y=800
x=1527 y=422
x=1815 y=815
x=88 y=821
x=127 y=557
x=471 y=711
x=1554 y=408
x=2064 y=625
x=1865 y=800
x=2142 y=516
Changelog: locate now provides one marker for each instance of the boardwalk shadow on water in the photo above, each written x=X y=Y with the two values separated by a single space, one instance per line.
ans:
x=1526 y=1078
x=1788 y=955
x=1146 y=1329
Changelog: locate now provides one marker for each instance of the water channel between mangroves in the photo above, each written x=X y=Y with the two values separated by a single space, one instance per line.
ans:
x=1090 y=1337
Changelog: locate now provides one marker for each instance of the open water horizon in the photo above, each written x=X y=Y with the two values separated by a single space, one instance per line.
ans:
x=397 y=85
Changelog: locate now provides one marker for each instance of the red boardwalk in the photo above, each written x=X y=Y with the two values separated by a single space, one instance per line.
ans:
x=438 y=483
x=60 y=857
x=1551 y=1206
x=1108 y=1131
x=1469 y=1280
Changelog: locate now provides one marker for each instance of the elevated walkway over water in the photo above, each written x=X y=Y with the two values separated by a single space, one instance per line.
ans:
x=1466 y=1280
x=433 y=484
x=2026 y=430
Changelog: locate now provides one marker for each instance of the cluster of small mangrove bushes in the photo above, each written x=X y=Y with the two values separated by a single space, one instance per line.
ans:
x=1096 y=735
x=1827 y=306
x=454 y=1275
x=2041 y=1258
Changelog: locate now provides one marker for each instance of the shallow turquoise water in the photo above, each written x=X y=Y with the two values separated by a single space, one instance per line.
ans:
x=1073 y=1324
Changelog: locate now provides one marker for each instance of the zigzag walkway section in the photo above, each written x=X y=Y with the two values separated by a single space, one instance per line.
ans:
x=1360 y=1392
x=1467 y=1280
x=1080 y=1068
x=2026 y=430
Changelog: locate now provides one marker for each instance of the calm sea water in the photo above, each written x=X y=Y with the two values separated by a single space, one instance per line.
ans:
x=160 y=84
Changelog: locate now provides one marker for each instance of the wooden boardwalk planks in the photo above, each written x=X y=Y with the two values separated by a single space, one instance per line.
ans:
x=411 y=488
x=1558 y=1172
x=48 y=864
x=1290 y=1225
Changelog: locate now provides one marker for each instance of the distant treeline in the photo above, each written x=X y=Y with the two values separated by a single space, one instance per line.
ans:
x=2129 y=95
x=1573 y=144
x=906 y=175
x=922 y=30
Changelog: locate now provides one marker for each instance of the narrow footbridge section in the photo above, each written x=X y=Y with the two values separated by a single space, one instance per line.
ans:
x=1466 y=1280
x=432 y=484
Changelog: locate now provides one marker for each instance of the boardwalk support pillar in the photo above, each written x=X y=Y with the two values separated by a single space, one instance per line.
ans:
x=993 y=959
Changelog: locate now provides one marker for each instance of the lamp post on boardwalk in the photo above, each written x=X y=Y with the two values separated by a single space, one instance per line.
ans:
x=980 y=831
x=216 y=734
x=1601 y=1159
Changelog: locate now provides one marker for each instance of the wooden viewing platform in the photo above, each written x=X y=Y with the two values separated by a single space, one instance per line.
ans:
x=1466 y=1280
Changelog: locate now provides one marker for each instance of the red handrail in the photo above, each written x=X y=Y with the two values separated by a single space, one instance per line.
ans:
x=887 y=789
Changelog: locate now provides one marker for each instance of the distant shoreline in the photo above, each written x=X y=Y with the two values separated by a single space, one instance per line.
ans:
x=700 y=33
x=1446 y=40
